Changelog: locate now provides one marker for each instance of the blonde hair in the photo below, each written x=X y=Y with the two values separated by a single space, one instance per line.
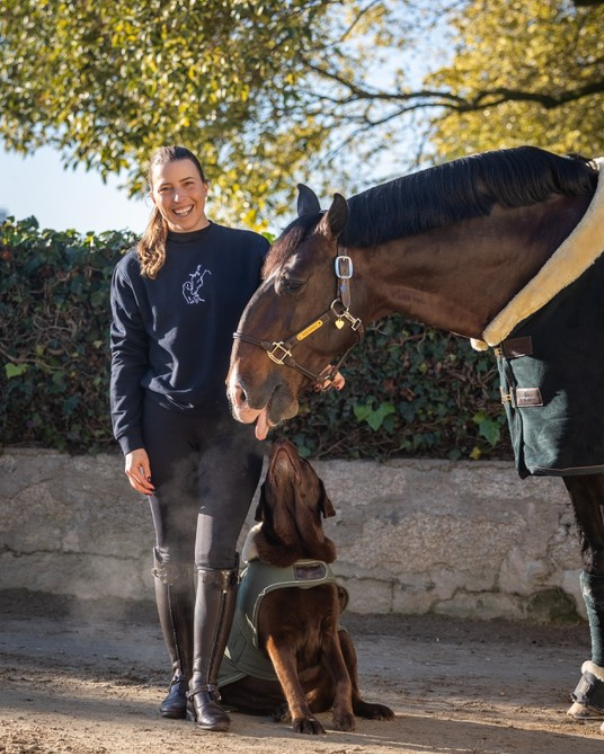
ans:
x=151 y=249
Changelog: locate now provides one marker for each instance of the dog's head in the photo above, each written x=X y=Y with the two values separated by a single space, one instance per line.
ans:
x=292 y=503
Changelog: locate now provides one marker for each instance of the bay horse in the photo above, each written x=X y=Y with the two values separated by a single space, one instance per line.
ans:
x=453 y=246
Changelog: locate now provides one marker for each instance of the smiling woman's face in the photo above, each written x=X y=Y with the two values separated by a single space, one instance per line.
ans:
x=179 y=193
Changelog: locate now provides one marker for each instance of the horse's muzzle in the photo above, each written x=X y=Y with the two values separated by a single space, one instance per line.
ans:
x=270 y=406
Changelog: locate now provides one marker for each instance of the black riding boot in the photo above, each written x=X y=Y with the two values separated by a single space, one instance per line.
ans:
x=214 y=610
x=175 y=597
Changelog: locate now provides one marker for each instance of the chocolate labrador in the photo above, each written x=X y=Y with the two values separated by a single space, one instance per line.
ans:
x=286 y=653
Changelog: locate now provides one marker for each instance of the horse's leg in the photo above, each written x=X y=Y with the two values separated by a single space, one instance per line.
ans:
x=587 y=496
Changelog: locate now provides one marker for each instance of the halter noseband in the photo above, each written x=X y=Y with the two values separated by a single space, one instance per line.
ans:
x=339 y=313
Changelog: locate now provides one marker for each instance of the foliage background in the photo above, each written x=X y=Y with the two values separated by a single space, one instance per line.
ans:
x=411 y=391
x=339 y=94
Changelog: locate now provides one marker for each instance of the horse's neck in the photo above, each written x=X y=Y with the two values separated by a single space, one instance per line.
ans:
x=458 y=277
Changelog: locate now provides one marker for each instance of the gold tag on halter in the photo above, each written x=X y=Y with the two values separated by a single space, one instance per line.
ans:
x=339 y=323
x=310 y=329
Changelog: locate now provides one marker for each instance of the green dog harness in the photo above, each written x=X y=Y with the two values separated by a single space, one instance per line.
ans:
x=243 y=656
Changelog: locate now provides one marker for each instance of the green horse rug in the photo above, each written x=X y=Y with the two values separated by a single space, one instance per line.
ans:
x=549 y=342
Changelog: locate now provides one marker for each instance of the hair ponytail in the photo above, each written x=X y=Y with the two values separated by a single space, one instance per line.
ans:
x=151 y=248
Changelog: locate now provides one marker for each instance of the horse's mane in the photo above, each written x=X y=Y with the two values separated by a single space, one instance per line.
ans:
x=289 y=239
x=461 y=189
x=454 y=191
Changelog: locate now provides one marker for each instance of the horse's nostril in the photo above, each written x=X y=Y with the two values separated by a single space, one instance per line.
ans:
x=240 y=396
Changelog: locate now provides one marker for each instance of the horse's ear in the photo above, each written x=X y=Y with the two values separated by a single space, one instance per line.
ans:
x=308 y=203
x=334 y=222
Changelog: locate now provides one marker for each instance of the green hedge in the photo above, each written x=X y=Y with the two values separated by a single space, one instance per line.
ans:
x=411 y=391
x=54 y=319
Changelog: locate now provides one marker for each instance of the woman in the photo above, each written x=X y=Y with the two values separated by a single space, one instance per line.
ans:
x=176 y=301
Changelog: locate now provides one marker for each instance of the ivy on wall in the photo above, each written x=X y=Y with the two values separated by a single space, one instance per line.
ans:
x=411 y=391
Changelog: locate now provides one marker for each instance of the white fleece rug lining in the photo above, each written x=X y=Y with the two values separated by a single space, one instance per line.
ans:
x=578 y=252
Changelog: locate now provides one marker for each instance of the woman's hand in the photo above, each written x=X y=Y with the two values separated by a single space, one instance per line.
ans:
x=138 y=471
x=337 y=382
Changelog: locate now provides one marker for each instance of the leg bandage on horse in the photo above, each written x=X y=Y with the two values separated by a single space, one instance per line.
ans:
x=588 y=697
x=592 y=589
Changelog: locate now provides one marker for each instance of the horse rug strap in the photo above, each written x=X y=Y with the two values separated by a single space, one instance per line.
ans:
x=551 y=371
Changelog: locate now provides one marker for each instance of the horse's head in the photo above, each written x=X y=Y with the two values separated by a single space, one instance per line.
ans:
x=298 y=321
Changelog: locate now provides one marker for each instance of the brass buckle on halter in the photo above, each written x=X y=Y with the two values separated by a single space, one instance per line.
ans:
x=279 y=359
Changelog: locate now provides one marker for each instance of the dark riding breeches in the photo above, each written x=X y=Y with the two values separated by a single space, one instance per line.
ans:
x=205 y=470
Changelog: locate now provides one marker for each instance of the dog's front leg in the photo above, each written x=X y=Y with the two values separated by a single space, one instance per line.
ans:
x=334 y=663
x=284 y=663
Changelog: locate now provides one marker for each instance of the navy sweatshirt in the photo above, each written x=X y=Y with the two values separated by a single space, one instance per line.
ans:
x=172 y=336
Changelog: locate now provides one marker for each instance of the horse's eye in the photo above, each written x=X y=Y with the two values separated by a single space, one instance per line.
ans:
x=289 y=285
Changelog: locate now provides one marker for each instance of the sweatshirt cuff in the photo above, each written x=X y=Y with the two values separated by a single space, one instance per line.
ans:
x=131 y=441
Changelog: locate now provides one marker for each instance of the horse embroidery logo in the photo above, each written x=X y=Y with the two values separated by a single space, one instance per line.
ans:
x=191 y=288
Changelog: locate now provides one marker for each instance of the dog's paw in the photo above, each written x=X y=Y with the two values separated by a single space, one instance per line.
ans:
x=344 y=721
x=374 y=711
x=309 y=726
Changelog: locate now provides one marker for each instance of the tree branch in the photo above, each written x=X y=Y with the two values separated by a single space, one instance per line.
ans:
x=424 y=98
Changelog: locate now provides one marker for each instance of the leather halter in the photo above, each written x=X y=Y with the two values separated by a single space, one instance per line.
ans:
x=339 y=313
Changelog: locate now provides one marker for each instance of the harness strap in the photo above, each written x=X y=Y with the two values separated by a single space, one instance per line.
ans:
x=280 y=354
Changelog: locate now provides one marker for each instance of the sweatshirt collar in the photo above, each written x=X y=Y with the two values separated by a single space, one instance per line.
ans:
x=195 y=235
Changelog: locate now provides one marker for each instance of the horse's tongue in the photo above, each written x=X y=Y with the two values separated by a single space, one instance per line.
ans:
x=262 y=425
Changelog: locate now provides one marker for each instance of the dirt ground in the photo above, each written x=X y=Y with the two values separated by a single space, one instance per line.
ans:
x=87 y=678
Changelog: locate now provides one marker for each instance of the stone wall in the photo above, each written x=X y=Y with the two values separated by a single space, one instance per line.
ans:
x=466 y=539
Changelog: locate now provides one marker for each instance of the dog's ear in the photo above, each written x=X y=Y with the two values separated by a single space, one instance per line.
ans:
x=261 y=508
x=325 y=505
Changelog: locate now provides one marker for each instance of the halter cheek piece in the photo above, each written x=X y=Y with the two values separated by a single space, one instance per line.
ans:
x=339 y=313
